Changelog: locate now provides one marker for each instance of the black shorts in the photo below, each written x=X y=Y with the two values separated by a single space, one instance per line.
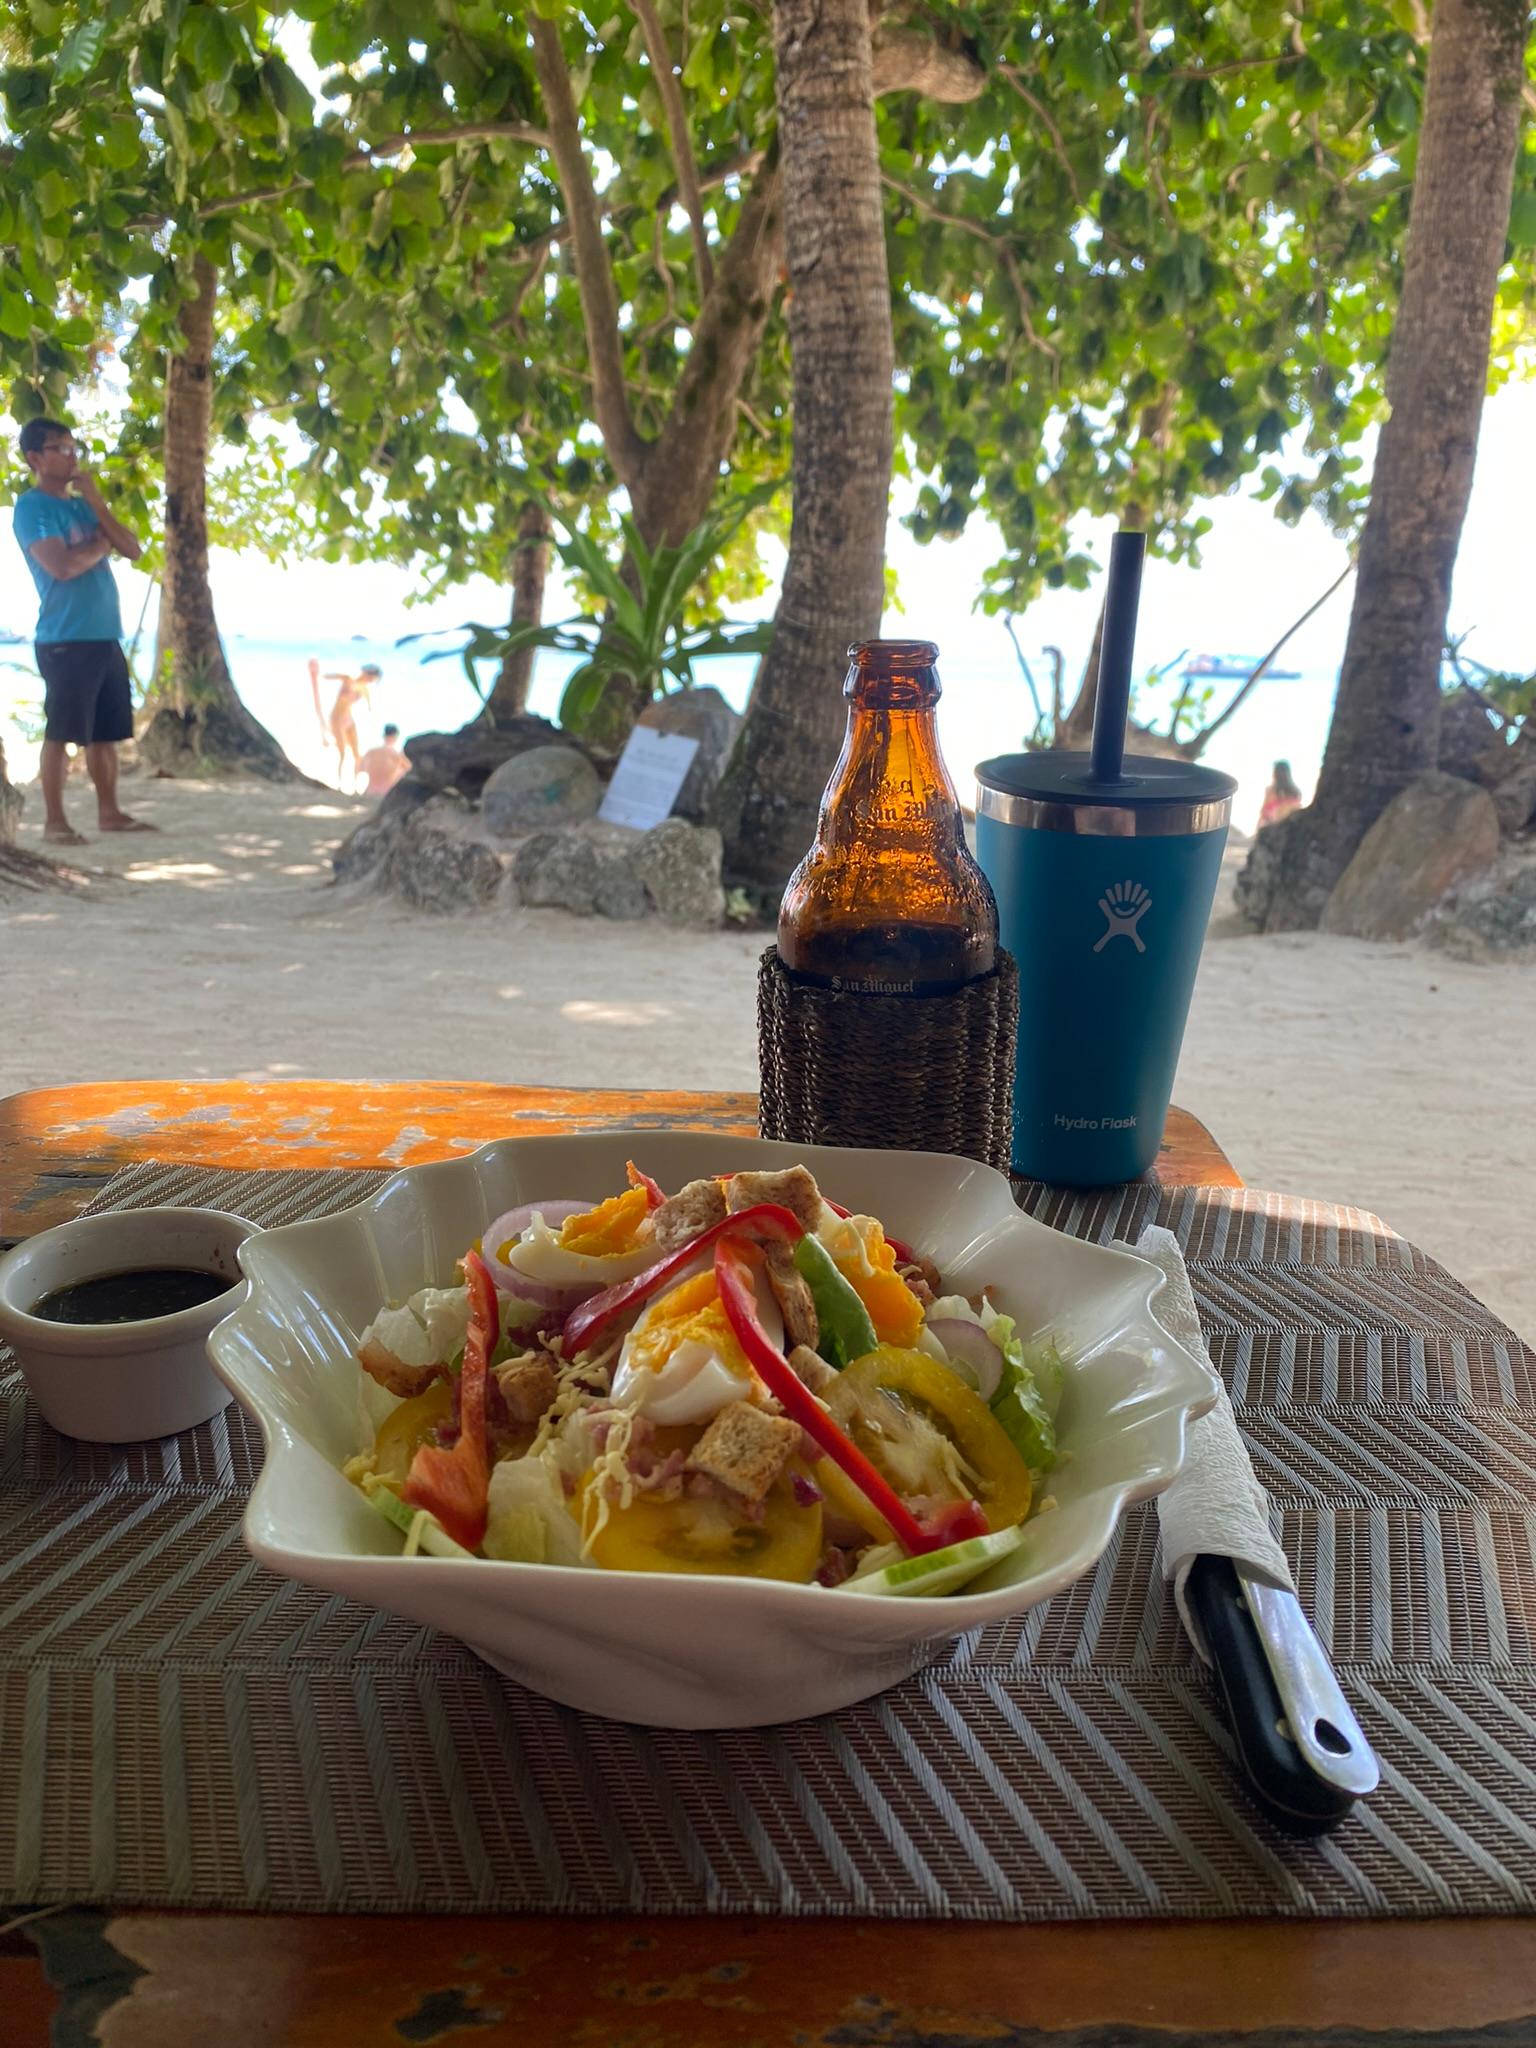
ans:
x=87 y=694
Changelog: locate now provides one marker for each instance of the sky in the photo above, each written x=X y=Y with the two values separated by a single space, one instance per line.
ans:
x=1255 y=577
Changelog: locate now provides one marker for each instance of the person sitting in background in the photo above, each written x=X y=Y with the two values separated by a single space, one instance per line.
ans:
x=1281 y=798
x=384 y=765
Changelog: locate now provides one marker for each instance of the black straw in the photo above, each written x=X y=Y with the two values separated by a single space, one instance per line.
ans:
x=1116 y=649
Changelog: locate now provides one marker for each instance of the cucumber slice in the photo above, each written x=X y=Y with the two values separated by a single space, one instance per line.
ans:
x=940 y=1571
x=434 y=1538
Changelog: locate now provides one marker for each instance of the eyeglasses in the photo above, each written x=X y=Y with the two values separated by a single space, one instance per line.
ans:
x=65 y=447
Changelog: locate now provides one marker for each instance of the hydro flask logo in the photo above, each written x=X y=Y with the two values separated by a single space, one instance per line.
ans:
x=1124 y=904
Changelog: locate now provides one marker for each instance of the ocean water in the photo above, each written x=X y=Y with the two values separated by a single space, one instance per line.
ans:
x=985 y=709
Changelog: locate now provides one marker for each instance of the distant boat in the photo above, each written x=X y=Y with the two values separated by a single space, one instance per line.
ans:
x=1239 y=665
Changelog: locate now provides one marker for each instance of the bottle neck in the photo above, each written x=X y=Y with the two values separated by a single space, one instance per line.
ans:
x=890 y=782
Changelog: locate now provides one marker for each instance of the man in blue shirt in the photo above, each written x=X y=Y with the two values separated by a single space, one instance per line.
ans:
x=66 y=533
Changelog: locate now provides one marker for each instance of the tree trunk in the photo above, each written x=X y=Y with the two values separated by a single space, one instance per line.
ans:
x=11 y=802
x=841 y=350
x=1386 y=718
x=530 y=569
x=210 y=730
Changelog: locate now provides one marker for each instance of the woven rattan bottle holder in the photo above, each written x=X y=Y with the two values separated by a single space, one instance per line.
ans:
x=933 y=1073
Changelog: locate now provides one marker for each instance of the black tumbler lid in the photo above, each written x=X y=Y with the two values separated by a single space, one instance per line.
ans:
x=1060 y=793
x=1054 y=778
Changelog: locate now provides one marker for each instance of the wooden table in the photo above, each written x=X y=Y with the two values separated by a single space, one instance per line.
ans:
x=144 y=1979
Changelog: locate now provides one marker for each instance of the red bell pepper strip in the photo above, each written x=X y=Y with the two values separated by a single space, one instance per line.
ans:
x=904 y=1252
x=654 y=1195
x=453 y=1485
x=733 y=1274
x=592 y=1319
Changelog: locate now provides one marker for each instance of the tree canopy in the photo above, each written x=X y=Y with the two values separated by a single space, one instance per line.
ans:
x=1137 y=253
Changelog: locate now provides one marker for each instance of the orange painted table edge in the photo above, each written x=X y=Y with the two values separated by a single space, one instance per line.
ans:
x=58 y=1146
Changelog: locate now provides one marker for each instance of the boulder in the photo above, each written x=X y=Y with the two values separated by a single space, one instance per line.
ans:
x=367 y=848
x=1434 y=834
x=12 y=802
x=465 y=761
x=620 y=893
x=545 y=786
x=679 y=864
x=557 y=871
x=1470 y=745
x=701 y=715
x=1514 y=794
x=213 y=738
x=1261 y=882
x=1491 y=918
x=436 y=867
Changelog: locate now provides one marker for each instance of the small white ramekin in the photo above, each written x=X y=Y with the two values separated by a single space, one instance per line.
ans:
x=118 y=1383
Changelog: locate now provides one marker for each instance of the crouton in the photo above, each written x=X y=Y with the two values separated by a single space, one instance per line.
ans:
x=394 y=1374
x=683 y=1215
x=811 y=1368
x=795 y=1189
x=745 y=1449
x=528 y=1385
x=797 y=1305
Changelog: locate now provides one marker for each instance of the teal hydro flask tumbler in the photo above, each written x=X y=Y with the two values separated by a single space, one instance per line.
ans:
x=1103 y=895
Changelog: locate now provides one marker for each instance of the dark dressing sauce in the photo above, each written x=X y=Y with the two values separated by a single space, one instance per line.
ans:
x=131 y=1297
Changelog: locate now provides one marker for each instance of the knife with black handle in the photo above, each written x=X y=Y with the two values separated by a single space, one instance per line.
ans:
x=1300 y=1744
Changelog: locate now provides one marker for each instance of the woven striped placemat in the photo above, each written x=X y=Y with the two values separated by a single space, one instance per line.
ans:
x=179 y=1727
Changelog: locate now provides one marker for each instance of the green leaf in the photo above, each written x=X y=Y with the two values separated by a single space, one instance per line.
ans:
x=1522 y=221
x=80 y=50
x=583 y=693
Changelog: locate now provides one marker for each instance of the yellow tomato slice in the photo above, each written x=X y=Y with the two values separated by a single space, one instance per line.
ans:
x=707 y=1536
x=406 y=1428
x=927 y=1432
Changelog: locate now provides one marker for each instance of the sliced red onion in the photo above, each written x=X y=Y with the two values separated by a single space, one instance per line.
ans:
x=508 y=1278
x=806 y=1492
x=968 y=1346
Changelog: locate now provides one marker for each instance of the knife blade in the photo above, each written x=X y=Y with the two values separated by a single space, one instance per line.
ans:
x=1304 y=1752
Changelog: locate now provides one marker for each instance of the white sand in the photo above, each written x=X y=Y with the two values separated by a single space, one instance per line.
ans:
x=1379 y=1075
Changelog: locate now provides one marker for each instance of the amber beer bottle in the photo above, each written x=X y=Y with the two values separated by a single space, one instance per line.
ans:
x=889 y=899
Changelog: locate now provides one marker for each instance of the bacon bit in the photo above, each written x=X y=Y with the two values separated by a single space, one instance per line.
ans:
x=806 y=1492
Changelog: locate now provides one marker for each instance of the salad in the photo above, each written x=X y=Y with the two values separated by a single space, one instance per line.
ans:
x=739 y=1377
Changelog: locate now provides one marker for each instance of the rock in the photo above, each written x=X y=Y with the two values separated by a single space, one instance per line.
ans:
x=367 y=848
x=543 y=787
x=1434 y=834
x=435 y=867
x=620 y=893
x=1491 y=918
x=1514 y=793
x=701 y=715
x=1261 y=880
x=1470 y=745
x=557 y=871
x=465 y=761
x=679 y=864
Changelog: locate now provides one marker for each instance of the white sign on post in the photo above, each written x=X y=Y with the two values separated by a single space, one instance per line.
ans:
x=652 y=769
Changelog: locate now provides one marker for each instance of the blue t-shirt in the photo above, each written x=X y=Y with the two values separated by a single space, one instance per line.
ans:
x=84 y=608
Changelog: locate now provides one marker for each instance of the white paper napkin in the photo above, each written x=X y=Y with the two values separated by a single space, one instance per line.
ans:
x=1216 y=1506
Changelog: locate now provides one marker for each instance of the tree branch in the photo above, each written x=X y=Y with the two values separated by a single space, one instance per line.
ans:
x=906 y=60
x=1207 y=733
x=999 y=244
x=683 y=158
x=1010 y=72
x=594 y=276
x=370 y=153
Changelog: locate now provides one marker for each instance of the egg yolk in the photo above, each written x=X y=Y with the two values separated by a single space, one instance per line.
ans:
x=688 y=1313
x=609 y=1228
x=894 y=1309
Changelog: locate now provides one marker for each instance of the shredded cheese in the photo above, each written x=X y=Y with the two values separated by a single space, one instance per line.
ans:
x=413 y=1535
x=609 y=1480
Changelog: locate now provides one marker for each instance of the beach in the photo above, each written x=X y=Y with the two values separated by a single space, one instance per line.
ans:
x=1385 y=1076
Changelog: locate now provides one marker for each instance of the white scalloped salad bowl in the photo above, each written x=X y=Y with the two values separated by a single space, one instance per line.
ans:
x=689 y=1651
